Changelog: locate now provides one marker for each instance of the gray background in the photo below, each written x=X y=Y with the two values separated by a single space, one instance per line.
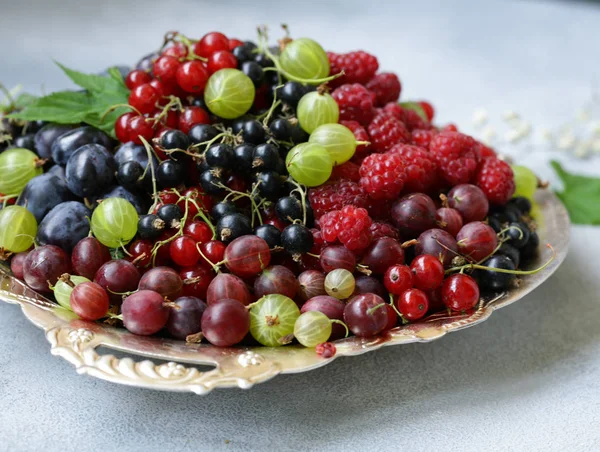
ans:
x=526 y=380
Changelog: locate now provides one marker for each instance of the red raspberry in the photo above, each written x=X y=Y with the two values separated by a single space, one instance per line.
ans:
x=410 y=118
x=386 y=87
x=334 y=196
x=495 y=177
x=383 y=175
x=355 y=102
x=450 y=128
x=351 y=226
x=346 y=171
x=457 y=156
x=326 y=350
x=380 y=229
x=422 y=137
x=386 y=131
x=421 y=168
x=360 y=134
x=486 y=151
x=358 y=67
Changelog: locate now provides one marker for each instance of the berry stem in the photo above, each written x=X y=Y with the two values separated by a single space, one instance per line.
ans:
x=339 y=322
x=151 y=165
x=215 y=267
x=502 y=270
x=370 y=311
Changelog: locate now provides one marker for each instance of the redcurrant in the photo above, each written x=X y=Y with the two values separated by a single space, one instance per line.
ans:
x=460 y=292
x=178 y=50
x=398 y=279
x=413 y=304
x=144 y=98
x=213 y=251
x=211 y=43
x=221 y=60
x=183 y=251
x=192 y=116
x=428 y=272
x=139 y=127
x=192 y=76
x=199 y=231
x=136 y=78
x=165 y=69
x=122 y=129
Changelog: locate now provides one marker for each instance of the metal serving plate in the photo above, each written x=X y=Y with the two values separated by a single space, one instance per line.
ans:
x=77 y=340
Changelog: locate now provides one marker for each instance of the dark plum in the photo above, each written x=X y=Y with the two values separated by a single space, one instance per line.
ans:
x=332 y=308
x=44 y=265
x=90 y=170
x=438 y=243
x=46 y=136
x=25 y=141
x=413 y=214
x=43 y=193
x=88 y=256
x=276 y=279
x=65 y=225
x=382 y=254
x=120 y=192
x=164 y=280
x=66 y=144
x=58 y=171
x=117 y=277
x=184 y=320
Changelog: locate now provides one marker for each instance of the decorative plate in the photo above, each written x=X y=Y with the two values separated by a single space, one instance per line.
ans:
x=77 y=340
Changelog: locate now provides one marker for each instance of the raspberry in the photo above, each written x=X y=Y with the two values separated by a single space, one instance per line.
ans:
x=358 y=67
x=355 y=102
x=457 y=156
x=450 y=128
x=421 y=168
x=386 y=131
x=386 y=87
x=496 y=179
x=351 y=226
x=410 y=118
x=360 y=134
x=346 y=171
x=486 y=151
x=382 y=175
x=422 y=137
x=334 y=196
x=380 y=229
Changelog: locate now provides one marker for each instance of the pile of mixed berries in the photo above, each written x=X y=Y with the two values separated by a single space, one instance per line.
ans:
x=260 y=194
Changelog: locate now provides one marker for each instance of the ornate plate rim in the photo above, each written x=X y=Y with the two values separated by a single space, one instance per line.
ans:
x=76 y=340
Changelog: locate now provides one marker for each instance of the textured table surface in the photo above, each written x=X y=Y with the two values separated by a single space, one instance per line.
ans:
x=528 y=379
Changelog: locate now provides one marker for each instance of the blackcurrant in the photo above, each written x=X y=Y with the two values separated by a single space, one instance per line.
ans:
x=511 y=252
x=297 y=239
x=512 y=213
x=263 y=60
x=201 y=133
x=291 y=93
x=199 y=102
x=254 y=71
x=297 y=134
x=518 y=234
x=238 y=125
x=220 y=155
x=265 y=157
x=130 y=174
x=170 y=174
x=232 y=226
x=289 y=208
x=25 y=141
x=269 y=234
x=280 y=167
x=521 y=203
x=210 y=180
x=244 y=154
x=250 y=45
x=494 y=223
x=269 y=184
x=174 y=139
x=243 y=53
x=253 y=132
x=493 y=280
x=280 y=129
x=531 y=247
x=221 y=209
x=171 y=214
x=150 y=226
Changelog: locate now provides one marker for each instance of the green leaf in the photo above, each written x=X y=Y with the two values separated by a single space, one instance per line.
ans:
x=96 y=84
x=580 y=195
x=64 y=107
x=415 y=106
x=94 y=106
